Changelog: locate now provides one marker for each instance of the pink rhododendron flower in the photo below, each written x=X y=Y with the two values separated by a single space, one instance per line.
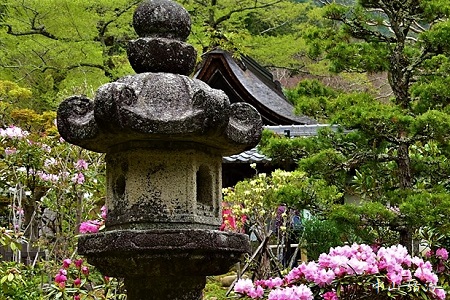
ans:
x=417 y=261
x=47 y=177
x=243 y=286
x=393 y=268
x=66 y=263
x=300 y=292
x=310 y=270
x=59 y=278
x=294 y=275
x=77 y=282
x=425 y=274
x=81 y=164
x=13 y=132
x=10 y=151
x=324 y=277
x=442 y=253
x=356 y=266
x=78 y=178
x=440 y=267
x=330 y=296
x=78 y=263
x=104 y=210
x=270 y=283
x=63 y=272
x=90 y=226
x=440 y=293
x=76 y=297
x=256 y=292
x=85 y=270
x=395 y=278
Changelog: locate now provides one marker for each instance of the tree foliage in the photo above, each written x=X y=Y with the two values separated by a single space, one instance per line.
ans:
x=394 y=160
x=59 y=47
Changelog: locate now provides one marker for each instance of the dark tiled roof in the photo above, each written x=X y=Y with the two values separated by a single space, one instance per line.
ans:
x=247 y=157
x=244 y=80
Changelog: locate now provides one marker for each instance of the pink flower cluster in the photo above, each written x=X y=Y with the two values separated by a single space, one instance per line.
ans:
x=90 y=226
x=81 y=164
x=246 y=287
x=229 y=222
x=62 y=277
x=48 y=177
x=442 y=253
x=93 y=226
x=10 y=151
x=356 y=261
x=13 y=132
x=78 y=178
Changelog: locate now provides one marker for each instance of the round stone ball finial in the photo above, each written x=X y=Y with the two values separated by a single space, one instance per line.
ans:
x=162 y=18
x=163 y=27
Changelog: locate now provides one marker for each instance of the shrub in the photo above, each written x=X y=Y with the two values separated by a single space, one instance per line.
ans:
x=353 y=272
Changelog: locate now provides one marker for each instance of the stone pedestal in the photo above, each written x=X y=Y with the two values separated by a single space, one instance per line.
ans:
x=164 y=135
x=168 y=287
x=156 y=261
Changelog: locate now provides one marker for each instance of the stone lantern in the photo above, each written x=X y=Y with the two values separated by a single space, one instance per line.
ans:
x=164 y=135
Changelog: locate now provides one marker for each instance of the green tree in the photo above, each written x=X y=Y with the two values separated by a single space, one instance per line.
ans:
x=61 y=47
x=263 y=29
x=397 y=152
x=58 y=48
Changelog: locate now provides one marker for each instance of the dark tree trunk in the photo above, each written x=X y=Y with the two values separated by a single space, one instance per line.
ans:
x=406 y=239
x=31 y=213
x=404 y=166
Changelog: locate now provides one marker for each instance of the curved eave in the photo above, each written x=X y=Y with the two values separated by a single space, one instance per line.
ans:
x=247 y=157
x=221 y=71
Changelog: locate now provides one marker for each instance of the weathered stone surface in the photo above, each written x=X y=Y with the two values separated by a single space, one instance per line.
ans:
x=162 y=18
x=161 y=55
x=227 y=281
x=165 y=287
x=75 y=119
x=244 y=125
x=162 y=103
x=159 y=107
x=163 y=252
x=162 y=27
x=146 y=190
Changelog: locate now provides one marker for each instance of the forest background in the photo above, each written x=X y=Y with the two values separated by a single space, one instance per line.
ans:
x=377 y=68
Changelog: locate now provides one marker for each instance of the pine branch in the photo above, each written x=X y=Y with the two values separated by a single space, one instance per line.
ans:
x=232 y=12
x=104 y=27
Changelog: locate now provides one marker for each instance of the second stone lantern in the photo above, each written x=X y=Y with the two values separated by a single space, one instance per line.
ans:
x=164 y=135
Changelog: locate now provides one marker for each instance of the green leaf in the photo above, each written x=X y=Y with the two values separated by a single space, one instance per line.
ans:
x=4 y=278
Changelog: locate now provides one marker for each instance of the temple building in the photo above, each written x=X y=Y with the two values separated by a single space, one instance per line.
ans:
x=244 y=80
